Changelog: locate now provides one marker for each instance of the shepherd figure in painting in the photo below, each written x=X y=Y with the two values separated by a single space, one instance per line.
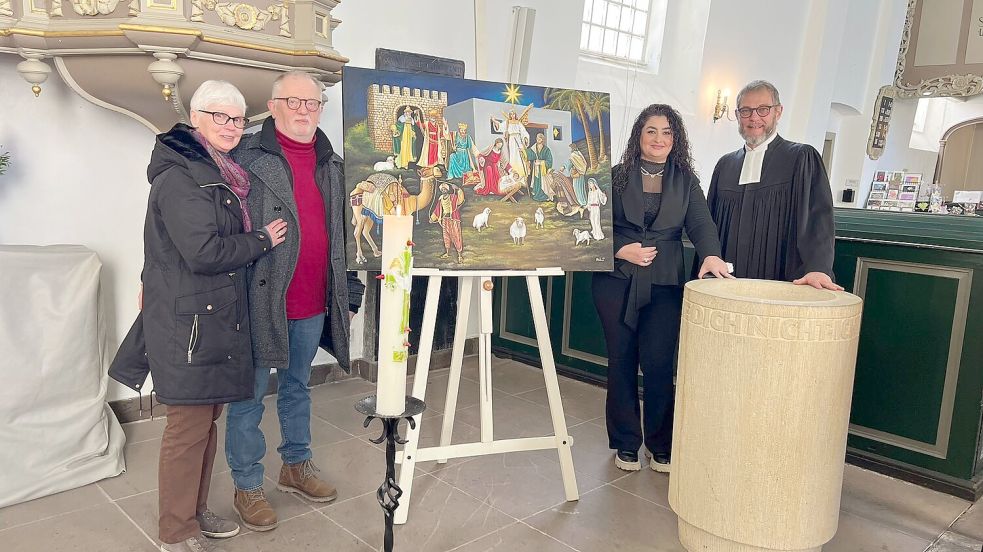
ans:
x=447 y=213
x=576 y=168
x=540 y=162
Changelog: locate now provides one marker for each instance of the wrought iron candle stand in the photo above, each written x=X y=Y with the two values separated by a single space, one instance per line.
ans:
x=389 y=492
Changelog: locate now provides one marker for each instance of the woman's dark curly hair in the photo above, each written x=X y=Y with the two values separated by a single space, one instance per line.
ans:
x=680 y=155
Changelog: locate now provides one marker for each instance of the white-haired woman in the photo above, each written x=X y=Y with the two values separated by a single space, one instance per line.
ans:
x=192 y=333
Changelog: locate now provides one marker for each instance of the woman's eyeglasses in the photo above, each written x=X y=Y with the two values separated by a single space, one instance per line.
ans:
x=761 y=110
x=223 y=118
x=295 y=103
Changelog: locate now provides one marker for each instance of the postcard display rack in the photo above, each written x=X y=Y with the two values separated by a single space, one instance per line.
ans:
x=897 y=191
x=412 y=453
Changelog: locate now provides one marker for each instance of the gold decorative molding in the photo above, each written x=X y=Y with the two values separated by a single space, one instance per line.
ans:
x=94 y=7
x=946 y=85
x=56 y=8
x=242 y=15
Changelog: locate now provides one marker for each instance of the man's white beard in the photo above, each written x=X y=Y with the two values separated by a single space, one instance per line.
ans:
x=758 y=140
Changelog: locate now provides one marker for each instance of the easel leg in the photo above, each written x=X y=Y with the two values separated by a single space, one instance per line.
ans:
x=484 y=362
x=564 y=441
x=457 y=359
x=408 y=467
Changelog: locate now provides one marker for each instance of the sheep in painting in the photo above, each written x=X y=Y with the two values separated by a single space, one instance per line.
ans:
x=518 y=231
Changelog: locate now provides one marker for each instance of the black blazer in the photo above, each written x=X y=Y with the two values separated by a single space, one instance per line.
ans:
x=683 y=208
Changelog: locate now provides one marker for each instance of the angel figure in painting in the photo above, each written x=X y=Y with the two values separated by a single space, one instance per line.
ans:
x=447 y=213
x=516 y=140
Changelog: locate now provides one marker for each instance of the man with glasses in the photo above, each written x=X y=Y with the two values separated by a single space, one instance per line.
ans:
x=771 y=199
x=298 y=292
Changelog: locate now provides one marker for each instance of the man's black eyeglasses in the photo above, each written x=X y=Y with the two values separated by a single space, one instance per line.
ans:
x=222 y=118
x=761 y=110
x=295 y=103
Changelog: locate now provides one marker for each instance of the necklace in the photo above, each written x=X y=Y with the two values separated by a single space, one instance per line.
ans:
x=646 y=173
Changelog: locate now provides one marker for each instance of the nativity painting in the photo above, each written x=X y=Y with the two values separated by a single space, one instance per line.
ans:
x=497 y=176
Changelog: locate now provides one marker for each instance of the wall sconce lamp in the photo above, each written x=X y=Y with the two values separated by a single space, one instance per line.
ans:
x=720 y=108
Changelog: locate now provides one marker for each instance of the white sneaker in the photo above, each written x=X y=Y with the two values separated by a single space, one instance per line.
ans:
x=660 y=462
x=627 y=460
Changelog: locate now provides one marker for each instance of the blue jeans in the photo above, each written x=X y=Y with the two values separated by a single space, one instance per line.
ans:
x=245 y=445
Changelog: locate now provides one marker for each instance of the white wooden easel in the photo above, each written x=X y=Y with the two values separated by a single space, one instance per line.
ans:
x=560 y=440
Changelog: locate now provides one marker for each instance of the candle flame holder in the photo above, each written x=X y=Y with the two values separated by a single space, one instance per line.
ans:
x=389 y=492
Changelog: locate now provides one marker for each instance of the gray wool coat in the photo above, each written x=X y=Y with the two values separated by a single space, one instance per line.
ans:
x=271 y=197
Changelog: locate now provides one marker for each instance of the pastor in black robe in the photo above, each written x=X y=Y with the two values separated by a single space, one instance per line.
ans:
x=780 y=228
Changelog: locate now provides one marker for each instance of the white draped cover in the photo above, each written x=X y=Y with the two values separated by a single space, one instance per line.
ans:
x=56 y=430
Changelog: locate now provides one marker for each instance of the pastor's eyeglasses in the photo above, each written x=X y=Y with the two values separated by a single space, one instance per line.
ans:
x=223 y=118
x=761 y=110
x=295 y=103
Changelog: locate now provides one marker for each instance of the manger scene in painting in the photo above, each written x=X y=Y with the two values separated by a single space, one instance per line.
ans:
x=496 y=176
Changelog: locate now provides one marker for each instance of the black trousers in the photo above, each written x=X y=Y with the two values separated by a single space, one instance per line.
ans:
x=653 y=346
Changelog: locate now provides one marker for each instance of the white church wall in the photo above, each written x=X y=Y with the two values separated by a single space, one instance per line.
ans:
x=78 y=177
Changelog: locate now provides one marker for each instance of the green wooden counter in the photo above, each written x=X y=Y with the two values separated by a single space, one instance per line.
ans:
x=918 y=395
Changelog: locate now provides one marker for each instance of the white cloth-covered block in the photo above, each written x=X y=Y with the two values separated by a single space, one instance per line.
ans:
x=56 y=430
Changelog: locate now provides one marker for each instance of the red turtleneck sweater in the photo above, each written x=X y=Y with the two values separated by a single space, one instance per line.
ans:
x=306 y=295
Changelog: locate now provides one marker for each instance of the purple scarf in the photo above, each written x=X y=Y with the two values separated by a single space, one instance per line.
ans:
x=234 y=176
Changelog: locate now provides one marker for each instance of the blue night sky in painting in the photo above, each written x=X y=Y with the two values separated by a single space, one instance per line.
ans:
x=356 y=82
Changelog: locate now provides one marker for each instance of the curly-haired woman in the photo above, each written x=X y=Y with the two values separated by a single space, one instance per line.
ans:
x=656 y=195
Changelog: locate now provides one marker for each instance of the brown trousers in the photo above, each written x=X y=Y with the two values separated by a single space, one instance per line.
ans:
x=187 y=453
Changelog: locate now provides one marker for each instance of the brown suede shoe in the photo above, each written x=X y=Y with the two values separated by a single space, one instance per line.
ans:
x=302 y=479
x=254 y=510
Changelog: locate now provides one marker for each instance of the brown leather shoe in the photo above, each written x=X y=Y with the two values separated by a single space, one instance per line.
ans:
x=302 y=479
x=254 y=510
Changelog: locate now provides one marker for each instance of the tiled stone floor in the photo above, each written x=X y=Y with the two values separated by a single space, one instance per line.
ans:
x=512 y=502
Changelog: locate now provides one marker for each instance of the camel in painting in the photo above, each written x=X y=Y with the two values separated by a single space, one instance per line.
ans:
x=383 y=194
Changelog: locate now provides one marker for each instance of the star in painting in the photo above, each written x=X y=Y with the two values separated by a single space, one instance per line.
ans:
x=512 y=93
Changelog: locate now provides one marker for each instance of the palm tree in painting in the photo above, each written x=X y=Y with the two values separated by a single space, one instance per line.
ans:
x=574 y=101
x=599 y=103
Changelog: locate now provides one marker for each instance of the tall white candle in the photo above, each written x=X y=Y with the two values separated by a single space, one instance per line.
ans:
x=394 y=313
